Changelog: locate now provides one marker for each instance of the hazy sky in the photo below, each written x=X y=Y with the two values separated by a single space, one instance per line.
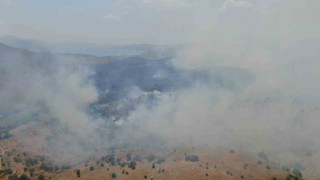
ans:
x=113 y=21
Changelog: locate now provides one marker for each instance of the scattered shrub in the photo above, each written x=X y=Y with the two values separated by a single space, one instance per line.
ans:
x=113 y=175
x=263 y=155
x=46 y=168
x=110 y=159
x=17 y=160
x=24 y=177
x=31 y=171
x=6 y=171
x=137 y=157
x=192 y=158
x=41 y=177
x=132 y=165
x=159 y=161
x=31 y=162
x=13 y=177
x=78 y=172
x=297 y=172
x=151 y=157
x=128 y=156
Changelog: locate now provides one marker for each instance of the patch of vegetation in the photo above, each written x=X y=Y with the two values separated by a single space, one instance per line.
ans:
x=31 y=171
x=110 y=159
x=41 y=177
x=13 y=177
x=46 y=168
x=192 y=158
x=132 y=165
x=151 y=157
x=285 y=168
x=31 y=162
x=113 y=175
x=78 y=172
x=63 y=167
x=263 y=155
x=297 y=172
x=6 y=171
x=137 y=157
x=161 y=160
x=5 y=135
x=17 y=159
x=24 y=177
x=128 y=156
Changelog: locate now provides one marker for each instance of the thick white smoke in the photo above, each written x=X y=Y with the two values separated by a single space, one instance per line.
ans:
x=277 y=112
x=262 y=94
x=59 y=92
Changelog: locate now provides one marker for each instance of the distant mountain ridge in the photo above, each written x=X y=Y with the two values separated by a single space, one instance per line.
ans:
x=79 y=48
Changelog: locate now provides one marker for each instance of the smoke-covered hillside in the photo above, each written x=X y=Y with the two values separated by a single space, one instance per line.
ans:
x=166 y=89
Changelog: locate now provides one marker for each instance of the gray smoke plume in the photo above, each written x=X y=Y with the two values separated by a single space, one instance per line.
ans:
x=272 y=107
x=248 y=81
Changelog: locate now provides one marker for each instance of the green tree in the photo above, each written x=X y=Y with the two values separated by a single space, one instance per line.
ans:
x=13 y=177
x=24 y=177
x=41 y=177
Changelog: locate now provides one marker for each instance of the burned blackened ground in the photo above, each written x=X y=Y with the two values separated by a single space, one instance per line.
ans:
x=125 y=84
x=119 y=78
